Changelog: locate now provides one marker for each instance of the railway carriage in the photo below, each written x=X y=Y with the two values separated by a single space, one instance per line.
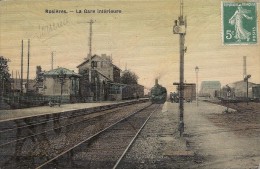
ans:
x=132 y=91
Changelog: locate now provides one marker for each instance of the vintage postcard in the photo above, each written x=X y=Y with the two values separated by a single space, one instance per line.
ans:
x=129 y=84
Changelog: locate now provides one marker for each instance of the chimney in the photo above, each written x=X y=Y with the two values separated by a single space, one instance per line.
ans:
x=156 y=81
x=244 y=67
x=88 y=57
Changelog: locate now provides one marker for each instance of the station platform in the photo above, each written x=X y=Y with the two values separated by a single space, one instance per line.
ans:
x=7 y=115
x=203 y=145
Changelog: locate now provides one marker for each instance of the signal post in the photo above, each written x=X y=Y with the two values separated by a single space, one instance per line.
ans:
x=180 y=28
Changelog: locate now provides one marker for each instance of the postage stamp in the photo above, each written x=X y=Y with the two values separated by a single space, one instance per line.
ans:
x=239 y=23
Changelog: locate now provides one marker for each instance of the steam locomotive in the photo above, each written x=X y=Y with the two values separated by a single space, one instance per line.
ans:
x=158 y=93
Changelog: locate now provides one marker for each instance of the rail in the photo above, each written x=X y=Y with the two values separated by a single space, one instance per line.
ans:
x=89 y=138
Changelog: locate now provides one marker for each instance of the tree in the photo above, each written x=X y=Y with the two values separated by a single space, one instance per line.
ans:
x=4 y=75
x=39 y=79
x=129 y=77
x=39 y=74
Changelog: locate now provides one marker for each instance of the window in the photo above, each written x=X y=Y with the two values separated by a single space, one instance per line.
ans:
x=94 y=64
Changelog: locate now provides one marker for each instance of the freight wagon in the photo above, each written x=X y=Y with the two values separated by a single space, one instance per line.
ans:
x=132 y=91
x=232 y=95
x=256 y=92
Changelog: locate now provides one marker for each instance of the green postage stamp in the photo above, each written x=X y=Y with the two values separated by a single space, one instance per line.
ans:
x=239 y=21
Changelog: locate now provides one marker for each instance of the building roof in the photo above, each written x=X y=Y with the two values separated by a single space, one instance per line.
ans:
x=241 y=84
x=102 y=57
x=103 y=75
x=185 y=84
x=57 y=72
x=86 y=61
x=211 y=83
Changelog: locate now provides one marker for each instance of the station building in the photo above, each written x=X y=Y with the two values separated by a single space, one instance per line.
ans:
x=100 y=79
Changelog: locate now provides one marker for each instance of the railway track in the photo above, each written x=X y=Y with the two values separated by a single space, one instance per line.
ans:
x=40 y=128
x=107 y=148
x=28 y=149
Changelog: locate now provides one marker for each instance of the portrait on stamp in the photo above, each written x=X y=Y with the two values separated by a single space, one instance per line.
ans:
x=239 y=21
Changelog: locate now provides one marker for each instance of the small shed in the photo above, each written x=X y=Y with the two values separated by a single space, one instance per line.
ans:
x=61 y=82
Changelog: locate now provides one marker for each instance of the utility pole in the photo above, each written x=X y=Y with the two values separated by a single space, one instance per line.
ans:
x=197 y=85
x=90 y=48
x=28 y=65
x=90 y=37
x=21 y=82
x=52 y=60
x=16 y=77
x=12 y=87
x=180 y=28
x=90 y=52
x=244 y=67
x=90 y=55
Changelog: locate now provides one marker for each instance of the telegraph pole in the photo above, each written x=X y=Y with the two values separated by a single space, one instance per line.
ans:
x=21 y=82
x=90 y=37
x=244 y=67
x=28 y=65
x=90 y=51
x=52 y=60
x=90 y=48
x=180 y=28
x=90 y=55
x=197 y=85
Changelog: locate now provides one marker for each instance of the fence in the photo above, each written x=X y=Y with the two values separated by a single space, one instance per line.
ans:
x=22 y=101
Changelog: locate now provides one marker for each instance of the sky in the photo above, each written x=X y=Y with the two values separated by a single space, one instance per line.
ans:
x=140 y=38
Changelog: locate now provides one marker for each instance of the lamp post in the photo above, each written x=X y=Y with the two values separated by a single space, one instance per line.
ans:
x=246 y=80
x=62 y=77
x=197 y=87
